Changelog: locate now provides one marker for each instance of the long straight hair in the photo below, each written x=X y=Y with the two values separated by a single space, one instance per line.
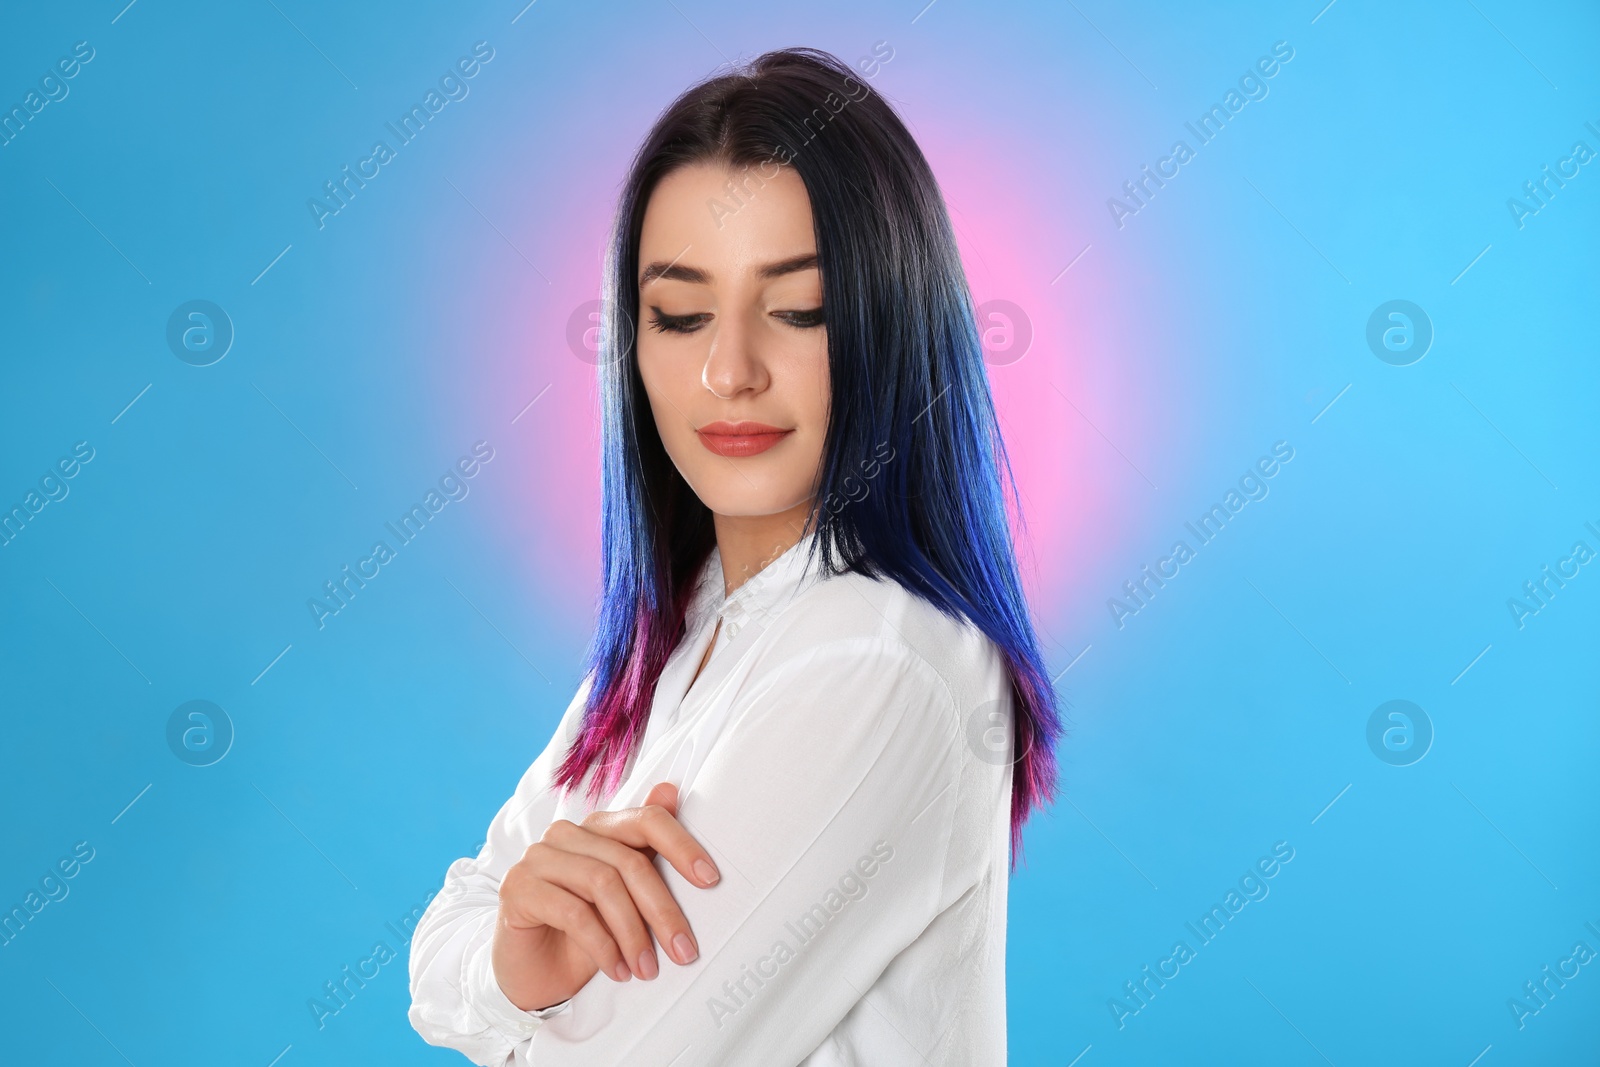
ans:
x=906 y=372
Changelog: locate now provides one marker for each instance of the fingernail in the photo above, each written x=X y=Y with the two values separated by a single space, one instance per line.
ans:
x=706 y=872
x=647 y=965
x=684 y=948
x=620 y=972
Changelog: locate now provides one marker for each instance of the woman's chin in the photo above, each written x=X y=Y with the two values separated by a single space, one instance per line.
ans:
x=744 y=502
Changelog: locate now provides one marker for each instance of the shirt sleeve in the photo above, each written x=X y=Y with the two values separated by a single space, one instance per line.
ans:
x=455 y=1000
x=829 y=802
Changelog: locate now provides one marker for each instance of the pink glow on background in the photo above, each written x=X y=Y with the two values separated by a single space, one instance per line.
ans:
x=1012 y=245
x=1014 y=237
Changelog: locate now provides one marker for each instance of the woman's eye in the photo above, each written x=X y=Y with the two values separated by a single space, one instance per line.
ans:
x=804 y=320
x=661 y=322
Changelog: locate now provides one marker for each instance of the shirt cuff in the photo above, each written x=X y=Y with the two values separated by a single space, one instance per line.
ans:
x=491 y=1002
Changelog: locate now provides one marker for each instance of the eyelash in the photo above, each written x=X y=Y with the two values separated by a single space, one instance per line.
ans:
x=664 y=323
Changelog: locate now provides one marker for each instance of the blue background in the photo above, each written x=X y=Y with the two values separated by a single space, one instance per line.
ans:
x=1230 y=313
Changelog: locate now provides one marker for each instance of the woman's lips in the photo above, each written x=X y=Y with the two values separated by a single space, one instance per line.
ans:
x=740 y=438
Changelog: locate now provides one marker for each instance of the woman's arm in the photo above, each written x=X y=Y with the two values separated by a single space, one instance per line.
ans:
x=846 y=810
x=455 y=999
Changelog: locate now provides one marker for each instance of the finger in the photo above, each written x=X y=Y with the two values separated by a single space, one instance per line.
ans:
x=650 y=900
x=664 y=794
x=545 y=901
x=609 y=876
x=653 y=826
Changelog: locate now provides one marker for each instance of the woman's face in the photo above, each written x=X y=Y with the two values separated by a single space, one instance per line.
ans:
x=731 y=344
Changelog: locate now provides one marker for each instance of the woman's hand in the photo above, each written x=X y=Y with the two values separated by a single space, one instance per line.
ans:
x=585 y=899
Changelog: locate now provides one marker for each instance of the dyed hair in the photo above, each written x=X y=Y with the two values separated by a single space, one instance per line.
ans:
x=906 y=370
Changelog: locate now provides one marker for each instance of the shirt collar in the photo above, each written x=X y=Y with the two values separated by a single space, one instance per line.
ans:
x=760 y=596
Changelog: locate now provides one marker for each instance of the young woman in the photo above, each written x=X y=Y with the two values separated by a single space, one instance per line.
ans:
x=773 y=825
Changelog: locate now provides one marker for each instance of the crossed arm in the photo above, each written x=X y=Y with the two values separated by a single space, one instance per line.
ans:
x=826 y=808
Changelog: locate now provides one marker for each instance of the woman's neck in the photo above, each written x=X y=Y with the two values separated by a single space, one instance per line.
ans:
x=747 y=543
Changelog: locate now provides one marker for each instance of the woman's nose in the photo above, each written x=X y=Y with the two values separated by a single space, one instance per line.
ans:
x=733 y=364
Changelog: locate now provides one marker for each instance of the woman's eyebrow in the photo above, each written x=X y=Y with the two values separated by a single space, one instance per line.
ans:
x=676 y=271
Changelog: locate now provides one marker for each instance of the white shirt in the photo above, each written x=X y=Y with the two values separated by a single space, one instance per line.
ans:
x=837 y=758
